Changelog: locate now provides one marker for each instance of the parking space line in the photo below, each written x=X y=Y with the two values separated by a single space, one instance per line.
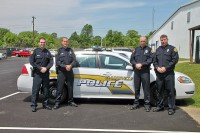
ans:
x=11 y=95
x=89 y=130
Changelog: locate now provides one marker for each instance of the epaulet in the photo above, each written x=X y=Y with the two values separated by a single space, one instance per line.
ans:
x=175 y=49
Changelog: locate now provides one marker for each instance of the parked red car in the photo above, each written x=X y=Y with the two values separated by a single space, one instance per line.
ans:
x=21 y=53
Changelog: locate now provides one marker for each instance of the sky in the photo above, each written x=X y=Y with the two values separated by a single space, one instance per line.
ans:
x=67 y=16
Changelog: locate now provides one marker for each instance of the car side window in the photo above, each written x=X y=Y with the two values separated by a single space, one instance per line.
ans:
x=111 y=62
x=88 y=61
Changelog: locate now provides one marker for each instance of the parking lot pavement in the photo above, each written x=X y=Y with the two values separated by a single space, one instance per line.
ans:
x=90 y=116
x=93 y=114
x=10 y=69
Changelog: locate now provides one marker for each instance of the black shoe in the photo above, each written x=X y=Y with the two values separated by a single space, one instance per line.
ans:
x=171 y=112
x=33 y=108
x=147 y=109
x=47 y=107
x=158 y=109
x=134 y=107
x=72 y=104
x=56 y=106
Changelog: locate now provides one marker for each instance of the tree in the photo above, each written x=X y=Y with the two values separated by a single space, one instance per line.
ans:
x=74 y=36
x=108 y=38
x=25 y=39
x=74 y=44
x=54 y=35
x=3 y=32
x=118 y=39
x=11 y=39
x=86 y=36
x=87 y=30
x=50 y=40
x=114 y=39
x=96 y=41
x=132 y=38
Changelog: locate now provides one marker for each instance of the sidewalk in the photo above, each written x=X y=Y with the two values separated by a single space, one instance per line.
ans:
x=193 y=112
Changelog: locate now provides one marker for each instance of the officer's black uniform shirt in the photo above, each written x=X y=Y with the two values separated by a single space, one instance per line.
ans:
x=142 y=55
x=41 y=58
x=166 y=57
x=65 y=56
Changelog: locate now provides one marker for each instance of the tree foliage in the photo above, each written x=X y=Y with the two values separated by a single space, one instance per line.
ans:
x=83 y=40
x=26 y=39
x=11 y=39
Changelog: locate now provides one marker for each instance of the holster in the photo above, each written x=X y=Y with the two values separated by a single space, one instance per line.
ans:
x=33 y=71
x=56 y=69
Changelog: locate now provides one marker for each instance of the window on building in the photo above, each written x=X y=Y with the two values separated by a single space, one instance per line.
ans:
x=172 y=25
x=188 y=17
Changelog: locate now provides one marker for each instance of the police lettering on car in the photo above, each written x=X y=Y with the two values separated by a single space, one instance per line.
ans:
x=141 y=60
x=65 y=61
x=41 y=61
x=165 y=59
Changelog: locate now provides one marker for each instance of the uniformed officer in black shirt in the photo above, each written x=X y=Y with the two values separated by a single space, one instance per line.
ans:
x=65 y=61
x=141 y=60
x=165 y=59
x=41 y=61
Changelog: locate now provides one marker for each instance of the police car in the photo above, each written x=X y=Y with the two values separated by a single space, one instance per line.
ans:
x=103 y=74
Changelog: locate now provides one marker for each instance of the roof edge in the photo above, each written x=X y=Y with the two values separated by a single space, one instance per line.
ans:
x=173 y=15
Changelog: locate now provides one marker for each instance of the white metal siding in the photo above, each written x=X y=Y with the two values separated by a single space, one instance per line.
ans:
x=179 y=36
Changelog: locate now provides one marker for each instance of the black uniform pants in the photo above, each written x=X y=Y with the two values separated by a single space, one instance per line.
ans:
x=144 y=78
x=68 y=77
x=165 y=83
x=38 y=80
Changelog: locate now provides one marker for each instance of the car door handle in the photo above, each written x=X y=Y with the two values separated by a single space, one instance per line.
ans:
x=107 y=74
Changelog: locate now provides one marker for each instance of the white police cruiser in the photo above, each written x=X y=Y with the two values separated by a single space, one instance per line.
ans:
x=104 y=74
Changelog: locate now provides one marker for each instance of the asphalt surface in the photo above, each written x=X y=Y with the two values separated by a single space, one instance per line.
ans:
x=15 y=112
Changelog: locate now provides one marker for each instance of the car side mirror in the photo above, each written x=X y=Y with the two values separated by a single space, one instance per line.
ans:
x=128 y=67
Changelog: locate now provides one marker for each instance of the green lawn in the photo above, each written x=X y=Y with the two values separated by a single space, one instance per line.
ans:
x=183 y=59
x=193 y=71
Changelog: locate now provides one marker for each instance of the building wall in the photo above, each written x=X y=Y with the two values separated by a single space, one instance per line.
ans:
x=179 y=35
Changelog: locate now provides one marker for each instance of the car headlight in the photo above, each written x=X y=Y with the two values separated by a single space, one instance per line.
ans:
x=183 y=79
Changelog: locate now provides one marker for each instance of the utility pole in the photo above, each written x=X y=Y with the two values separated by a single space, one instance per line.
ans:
x=101 y=42
x=153 y=12
x=33 y=28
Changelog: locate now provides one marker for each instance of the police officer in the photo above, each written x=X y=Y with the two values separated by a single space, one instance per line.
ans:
x=65 y=60
x=41 y=61
x=141 y=60
x=165 y=59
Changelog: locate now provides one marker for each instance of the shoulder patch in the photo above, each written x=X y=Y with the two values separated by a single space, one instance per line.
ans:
x=175 y=50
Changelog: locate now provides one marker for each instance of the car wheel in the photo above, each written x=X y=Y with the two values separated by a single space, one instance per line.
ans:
x=153 y=95
x=53 y=91
x=17 y=55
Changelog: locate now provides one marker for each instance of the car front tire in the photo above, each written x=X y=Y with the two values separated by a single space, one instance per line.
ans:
x=153 y=95
x=53 y=91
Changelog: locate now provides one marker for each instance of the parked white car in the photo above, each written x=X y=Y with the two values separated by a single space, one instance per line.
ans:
x=105 y=75
x=1 y=56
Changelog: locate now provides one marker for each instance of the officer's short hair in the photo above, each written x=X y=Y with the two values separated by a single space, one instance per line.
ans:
x=42 y=38
x=163 y=36
x=64 y=38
